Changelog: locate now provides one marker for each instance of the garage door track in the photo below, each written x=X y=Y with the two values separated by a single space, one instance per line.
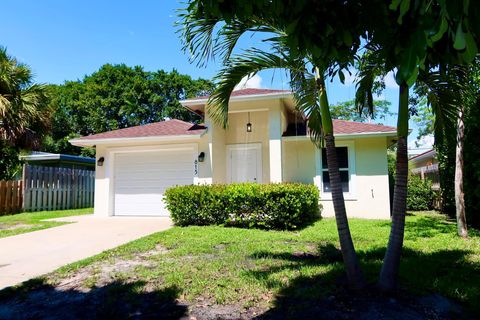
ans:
x=29 y=255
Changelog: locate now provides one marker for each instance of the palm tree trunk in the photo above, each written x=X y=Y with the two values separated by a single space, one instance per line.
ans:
x=350 y=259
x=459 y=193
x=391 y=262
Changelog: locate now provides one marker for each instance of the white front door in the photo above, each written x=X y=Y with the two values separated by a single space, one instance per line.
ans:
x=244 y=163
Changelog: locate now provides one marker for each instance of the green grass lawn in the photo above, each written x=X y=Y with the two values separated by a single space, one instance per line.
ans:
x=263 y=269
x=32 y=221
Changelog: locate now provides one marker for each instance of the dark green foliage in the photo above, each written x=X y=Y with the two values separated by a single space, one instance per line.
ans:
x=446 y=167
x=115 y=97
x=392 y=162
x=10 y=164
x=348 y=111
x=420 y=194
x=24 y=113
x=472 y=165
x=445 y=146
x=251 y=205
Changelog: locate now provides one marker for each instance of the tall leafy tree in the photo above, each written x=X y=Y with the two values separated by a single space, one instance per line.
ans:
x=348 y=111
x=214 y=28
x=24 y=112
x=115 y=97
x=450 y=94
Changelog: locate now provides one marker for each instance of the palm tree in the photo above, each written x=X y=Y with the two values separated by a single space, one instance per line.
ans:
x=309 y=92
x=449 y=92
x=24 y=111
x=373 y=65
x=443 y=93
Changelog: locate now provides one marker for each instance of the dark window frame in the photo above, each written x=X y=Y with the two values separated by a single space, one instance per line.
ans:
x=344 y=167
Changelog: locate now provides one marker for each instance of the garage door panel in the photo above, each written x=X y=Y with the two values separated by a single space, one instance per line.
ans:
x=156 y=173
x=142 y=178
x=157 y=165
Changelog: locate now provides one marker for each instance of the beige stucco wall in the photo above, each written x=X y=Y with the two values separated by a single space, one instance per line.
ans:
x=102 y=182
x=298 y=161
x=237 y=134
x=268 y=119
x=369 y=197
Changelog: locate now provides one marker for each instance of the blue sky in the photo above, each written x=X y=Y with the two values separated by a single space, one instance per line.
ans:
x=66 y=40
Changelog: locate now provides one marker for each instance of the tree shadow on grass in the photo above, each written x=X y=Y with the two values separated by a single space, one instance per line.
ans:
x=117 y=300
x=325 y=297
x=425 y=227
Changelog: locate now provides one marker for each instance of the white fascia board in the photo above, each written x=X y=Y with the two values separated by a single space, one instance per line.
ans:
x=51 y=156
x=347 y=135
x=116 y=141
x=426 y=155
x=265 y=96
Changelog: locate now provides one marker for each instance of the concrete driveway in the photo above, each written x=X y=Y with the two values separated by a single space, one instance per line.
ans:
x=29 y=255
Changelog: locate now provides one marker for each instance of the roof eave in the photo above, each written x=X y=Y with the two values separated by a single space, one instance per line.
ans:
x=116 y=141
x=349 y=135
x=57 y=157
x=264 y=96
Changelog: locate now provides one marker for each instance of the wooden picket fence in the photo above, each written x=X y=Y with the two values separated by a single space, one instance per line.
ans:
x=52 y=188
x=11 y=197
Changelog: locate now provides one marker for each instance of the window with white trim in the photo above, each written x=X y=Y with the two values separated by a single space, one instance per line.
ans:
x=343 y=165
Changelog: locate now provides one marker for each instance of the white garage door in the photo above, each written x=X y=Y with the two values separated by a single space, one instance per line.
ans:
x=141 y=179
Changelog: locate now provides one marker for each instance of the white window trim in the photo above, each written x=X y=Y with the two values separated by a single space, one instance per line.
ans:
x=351 y=194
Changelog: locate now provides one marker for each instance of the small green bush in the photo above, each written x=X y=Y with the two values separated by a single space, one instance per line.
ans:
x=420 y=195
x=252 y=205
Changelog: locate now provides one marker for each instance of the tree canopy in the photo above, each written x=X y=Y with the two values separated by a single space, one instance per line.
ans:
x=115 y=97
x=24 y=113
x=348 y=111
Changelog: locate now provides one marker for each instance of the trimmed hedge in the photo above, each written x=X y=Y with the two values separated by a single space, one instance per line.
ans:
x=252 y=205
x=420 y=195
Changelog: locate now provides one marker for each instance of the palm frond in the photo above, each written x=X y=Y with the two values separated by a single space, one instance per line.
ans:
x=24 y=110
x=243 y=65
x=198 y=37
x=228 y=37
x=446 y=94
x=370 y=71
x=305 y=93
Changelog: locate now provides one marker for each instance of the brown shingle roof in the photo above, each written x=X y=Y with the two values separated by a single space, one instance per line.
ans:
x=350 y=127
x=176 y=127
x=172 y=127
x=341 y=127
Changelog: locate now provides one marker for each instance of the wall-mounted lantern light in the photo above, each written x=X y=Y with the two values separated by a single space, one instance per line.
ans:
x=100 y=161
x=201 y=157
x=249 y=125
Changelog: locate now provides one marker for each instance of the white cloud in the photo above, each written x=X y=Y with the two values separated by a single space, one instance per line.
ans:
x=425 y=142
x=249 y=82
x=350 y=78
x=390 y=81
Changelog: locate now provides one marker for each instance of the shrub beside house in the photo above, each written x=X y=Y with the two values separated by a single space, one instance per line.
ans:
x=269 y=206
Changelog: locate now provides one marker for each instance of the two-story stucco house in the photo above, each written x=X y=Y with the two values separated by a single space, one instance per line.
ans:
x=266 y=142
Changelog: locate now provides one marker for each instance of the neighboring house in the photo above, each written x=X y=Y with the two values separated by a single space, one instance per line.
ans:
x=425 y=165
x=266 y=142
x=59 y=160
